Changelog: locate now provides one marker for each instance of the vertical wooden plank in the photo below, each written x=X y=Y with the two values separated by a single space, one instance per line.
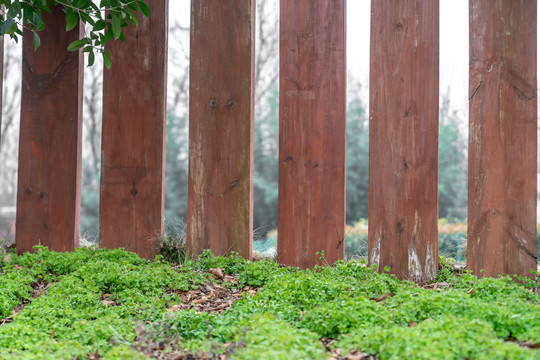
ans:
x=48 y=196
x=133 y=137
x=220 y=190
x=312 y=107
x=403 y=137
x=502 y=137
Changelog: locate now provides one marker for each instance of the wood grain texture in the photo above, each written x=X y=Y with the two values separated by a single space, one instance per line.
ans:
x=502 y=137
x=220 y=189
x=312 y=116
x=403 y=138
x=49 y=178
x=133 y=137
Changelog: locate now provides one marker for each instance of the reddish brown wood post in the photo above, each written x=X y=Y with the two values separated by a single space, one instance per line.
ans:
x=502 y=137
x=220 y=191
x=404 y=103
x=48 y=197
x=133 y=137
x=312 y=110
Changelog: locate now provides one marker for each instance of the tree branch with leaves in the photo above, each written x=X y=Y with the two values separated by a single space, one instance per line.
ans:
x=104 y=21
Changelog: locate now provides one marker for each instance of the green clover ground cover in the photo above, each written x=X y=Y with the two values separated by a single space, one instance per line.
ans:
x=468 y=319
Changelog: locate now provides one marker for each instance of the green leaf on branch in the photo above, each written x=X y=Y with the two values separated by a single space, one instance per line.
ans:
x=77 y=44
x=105 y=20
x=99 y=25
x=37 y=41
x=131 y=17
x=17 y=7
x=133 y=6
x=91 y=58
x=107 y=60
x=43 y=7
x=87 y=18
x=116 y=26
x=144 y=8
x=72 y=19
x=107 y=36
x=7 y=26
x=40 y=26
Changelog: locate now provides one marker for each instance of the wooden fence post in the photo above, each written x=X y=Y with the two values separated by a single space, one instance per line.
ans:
x=403 y=135
x=220 y=190
x=48 y=195
x=312 y=111
x=133 y=137
x=502 y=137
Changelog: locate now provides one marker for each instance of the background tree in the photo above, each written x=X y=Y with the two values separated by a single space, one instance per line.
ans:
x=10 y=125
x=357 y=154
x=176 y=170
x=452 y=163
x=265 y=167
x=9 y=138
x=91 y=162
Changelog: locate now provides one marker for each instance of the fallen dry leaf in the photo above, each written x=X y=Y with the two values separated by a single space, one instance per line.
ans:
x=384 y=297
x=355 y=355
x=528 y=344
x=212 y=298
x=443 y=284
x=139 y=330
x=7 y=258
x=94 y=355
x=470 y=291
x=412 y=324
x=107 y=302
x=217 y=273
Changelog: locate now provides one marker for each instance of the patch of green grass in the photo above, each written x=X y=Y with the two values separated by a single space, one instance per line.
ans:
x=449 y=337
x=72 y=311
x=98 y=299
x=342 y=314
x=123 y=352
x=265 y=337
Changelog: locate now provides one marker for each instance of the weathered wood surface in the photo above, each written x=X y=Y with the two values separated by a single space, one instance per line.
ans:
x=502 y=137
x=220 y=190
x=312 y=112
x=133 y=140
x=403 y=148
x=48 y=197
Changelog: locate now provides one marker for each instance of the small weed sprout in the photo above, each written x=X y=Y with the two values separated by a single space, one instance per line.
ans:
x=172 y=244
